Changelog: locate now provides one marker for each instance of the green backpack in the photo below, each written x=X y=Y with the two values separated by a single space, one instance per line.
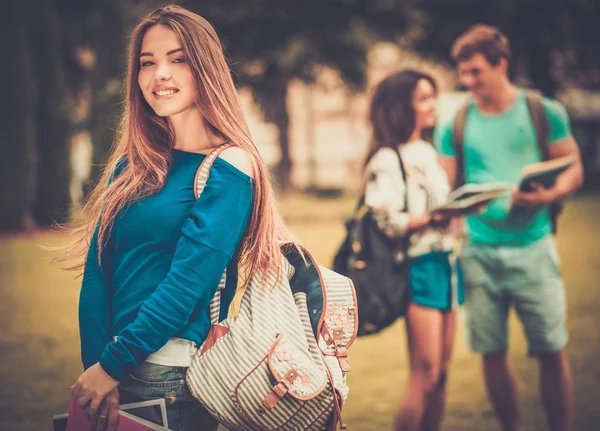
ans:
x=542 y=129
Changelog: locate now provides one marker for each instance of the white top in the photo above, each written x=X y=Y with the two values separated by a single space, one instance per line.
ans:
x=428 y=188
x=178 y=352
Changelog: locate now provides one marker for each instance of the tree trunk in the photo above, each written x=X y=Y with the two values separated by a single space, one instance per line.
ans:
x=17 y=126
x=310 y=138
x=109 y=45
x=540 y=68
x=278 y=114
x=53 y=125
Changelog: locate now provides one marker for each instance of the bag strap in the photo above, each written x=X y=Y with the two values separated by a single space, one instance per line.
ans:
x=360 y=210
x=200 y=180
x=404 y=177
x=538 y=117
x=458 y=142
x=361 y=200
x=203 y=172
x=542 y=131
x=540 y=121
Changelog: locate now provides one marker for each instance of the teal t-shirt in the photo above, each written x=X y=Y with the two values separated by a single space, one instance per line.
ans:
x=496 y=148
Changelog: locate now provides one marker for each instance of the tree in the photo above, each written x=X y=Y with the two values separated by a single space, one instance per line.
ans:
x=564 y=31
x=17 y=122
x=99 y=26
x=52 y=122
x=272 y=42
x=103 y=27
x=107 y=22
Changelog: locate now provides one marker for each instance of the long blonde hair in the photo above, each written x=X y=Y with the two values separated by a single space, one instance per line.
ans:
x=144 y=140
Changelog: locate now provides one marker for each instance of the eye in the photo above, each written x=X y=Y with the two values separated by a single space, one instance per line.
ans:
x=179 y=60
x=147 y=63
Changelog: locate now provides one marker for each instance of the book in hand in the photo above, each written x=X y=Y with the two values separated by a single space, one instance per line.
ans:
x=142 y=416
x=471 y=197
x=544 y=173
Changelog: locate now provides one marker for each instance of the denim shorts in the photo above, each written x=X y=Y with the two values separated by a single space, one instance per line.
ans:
x=528 y=278
x=151 y=381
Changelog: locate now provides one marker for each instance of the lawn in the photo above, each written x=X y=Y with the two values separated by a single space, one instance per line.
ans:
x=40 y=345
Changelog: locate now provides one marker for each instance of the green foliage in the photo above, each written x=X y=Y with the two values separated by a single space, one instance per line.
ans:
x=541 y=32
x=272 y=42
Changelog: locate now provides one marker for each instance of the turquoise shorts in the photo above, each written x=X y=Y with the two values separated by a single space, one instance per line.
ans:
x=435 y=281
x=528 y=278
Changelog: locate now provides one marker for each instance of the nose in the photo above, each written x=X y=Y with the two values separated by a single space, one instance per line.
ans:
x=467 y=80
x=433 y=109
x=163 y=73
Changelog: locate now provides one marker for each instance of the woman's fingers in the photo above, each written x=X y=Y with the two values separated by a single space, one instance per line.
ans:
x=113 y=412
x=83 y=401
x=99 y=420
x=94 y=405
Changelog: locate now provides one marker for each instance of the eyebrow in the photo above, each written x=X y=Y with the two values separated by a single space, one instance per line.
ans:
x=149 y=54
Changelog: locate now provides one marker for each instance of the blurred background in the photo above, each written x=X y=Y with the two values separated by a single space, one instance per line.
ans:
x=305 y=70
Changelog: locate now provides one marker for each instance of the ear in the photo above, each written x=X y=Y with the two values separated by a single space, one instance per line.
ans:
x=503 y=65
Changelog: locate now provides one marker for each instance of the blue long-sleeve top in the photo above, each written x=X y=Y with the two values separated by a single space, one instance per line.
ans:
x=161 y=265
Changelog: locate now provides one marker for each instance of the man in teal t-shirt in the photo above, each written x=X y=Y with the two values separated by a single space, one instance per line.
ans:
x=511 y=261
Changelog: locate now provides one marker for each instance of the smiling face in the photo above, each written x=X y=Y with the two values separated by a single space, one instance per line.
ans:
x=165 y=79
x=480 y=77
x=424 y=104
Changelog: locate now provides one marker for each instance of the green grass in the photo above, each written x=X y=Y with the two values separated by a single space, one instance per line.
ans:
x=39 y=342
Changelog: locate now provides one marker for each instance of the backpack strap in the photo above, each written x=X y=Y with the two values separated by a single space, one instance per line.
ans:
x=361 y=201
x=404 y=177
x=540 y=121
x=458 y=142
x=542 y=131
x=538 y=117
x=200 y=180
x=203 y=171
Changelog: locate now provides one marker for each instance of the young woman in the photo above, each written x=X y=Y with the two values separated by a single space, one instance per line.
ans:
x=155 y=255
x=402 y=112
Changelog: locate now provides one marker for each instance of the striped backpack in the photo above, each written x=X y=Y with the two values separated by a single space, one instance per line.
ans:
x=281 y=363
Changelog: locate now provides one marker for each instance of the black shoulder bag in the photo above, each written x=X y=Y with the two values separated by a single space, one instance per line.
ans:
x=378 y=267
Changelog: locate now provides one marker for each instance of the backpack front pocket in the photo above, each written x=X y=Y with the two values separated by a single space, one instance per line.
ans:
x=284 y=389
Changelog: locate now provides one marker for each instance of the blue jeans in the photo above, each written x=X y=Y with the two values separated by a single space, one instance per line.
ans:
x=152 y=381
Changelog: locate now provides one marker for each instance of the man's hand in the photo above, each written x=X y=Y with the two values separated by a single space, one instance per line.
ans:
x=537 y=197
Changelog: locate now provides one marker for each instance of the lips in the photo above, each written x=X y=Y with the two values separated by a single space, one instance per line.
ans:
x=164 y=92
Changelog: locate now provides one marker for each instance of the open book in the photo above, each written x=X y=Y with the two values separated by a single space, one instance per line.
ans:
x=544 y=173
x=142 y=416
x=469 y=197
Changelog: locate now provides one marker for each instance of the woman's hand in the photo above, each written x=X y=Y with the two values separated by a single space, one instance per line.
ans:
x=447 y=215
x=108 y=413
x=92 y=388
x=442 y=218
x=457 y=228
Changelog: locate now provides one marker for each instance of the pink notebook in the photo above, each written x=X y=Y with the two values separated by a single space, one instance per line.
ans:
x=78 y=421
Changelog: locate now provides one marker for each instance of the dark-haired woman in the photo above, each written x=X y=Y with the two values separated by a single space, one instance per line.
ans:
x=402 y=113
